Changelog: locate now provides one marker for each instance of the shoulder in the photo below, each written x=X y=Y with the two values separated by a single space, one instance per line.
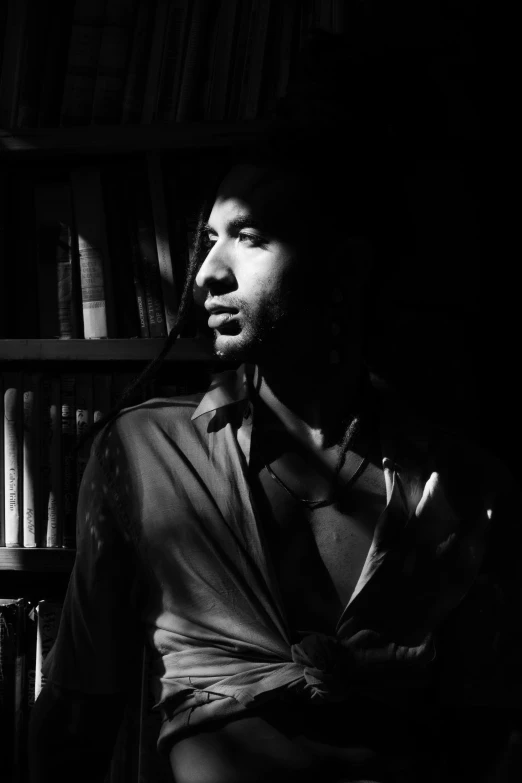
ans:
x=140 y=428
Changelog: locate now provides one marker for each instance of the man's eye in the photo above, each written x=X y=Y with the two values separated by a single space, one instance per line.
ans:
x=208 y=241
x=252 y=240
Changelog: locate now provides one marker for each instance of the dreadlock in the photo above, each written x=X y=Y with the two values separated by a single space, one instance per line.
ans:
x=152 y=369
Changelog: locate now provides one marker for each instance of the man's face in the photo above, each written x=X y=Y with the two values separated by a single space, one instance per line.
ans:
x=249 y=280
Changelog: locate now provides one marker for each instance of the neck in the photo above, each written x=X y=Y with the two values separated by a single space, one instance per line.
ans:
x=312 y=403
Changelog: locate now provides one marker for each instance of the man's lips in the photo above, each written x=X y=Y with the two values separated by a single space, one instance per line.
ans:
x=217 y=320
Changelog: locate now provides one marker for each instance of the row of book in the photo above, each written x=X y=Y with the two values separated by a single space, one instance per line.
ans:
x=27 y=633
x=28 y=630
x=45 y=416
x=94 y=251
x=142 y=61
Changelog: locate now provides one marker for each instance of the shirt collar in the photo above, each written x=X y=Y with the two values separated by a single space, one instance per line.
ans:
x=226 y=388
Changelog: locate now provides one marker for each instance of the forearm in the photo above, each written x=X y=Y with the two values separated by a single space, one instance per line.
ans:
x=71 y=737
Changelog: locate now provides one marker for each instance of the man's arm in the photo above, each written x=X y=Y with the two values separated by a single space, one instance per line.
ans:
x=72 y=735
x=94 y=662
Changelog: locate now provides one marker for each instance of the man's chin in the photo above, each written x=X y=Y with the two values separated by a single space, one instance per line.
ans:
x=234 y=348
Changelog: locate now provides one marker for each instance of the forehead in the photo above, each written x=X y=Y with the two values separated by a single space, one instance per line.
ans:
x=266 y=193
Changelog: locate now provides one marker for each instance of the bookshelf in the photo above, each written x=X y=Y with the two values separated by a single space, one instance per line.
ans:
x=111 y=350
x=151 y=111
x=37 y=560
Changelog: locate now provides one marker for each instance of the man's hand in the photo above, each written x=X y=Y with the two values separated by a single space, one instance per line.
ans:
x=421 y=566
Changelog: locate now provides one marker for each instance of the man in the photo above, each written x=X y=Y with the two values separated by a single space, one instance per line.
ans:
x=294 y=543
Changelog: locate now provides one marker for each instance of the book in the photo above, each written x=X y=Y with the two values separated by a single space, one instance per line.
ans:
x=36 y=33
x=51 y=460
x=130 y=307
x=22 y=254
x=2 y=477
x=172 y=59
x=221 y=62
x=136 y=78
x=112 y=63
x=68 y=435
x=148 y=262
x=12 y=674
x=92 y=252
x=12 y=457
x=12 y=60
x=53 y=66
x=155 y=59
x=255 y=61
x=57 y=274
x=238 y=58
x=82 y=62
x=48 y=614
x=30 y=457
x=159 y=213
x=84 y=419
x=201 y=26
x=101 y=390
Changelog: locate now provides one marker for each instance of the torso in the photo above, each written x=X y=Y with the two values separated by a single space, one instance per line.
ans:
x=317 y=555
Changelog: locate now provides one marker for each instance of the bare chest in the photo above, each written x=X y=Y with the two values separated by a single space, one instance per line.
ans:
x=318 y=555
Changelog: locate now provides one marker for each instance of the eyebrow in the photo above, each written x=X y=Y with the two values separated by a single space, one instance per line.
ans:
x=238 y=223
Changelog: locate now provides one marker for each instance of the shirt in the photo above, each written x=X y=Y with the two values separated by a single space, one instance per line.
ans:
x=169 y=539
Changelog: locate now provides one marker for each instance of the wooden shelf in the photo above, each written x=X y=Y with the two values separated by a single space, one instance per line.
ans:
x=36 y=560
x=121 y=139
x=143 y=350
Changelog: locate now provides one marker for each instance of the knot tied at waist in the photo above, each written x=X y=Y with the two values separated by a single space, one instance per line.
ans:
x=326 y=666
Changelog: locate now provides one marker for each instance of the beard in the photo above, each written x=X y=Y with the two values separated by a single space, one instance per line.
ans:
x=257 y=334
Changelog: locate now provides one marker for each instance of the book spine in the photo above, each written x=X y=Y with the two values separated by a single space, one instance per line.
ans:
x=68 y=427
x=54 y=63
x=101 y=391
x=114 y=49
x=12 y=457
x=3 y=493
x=84 y=419
x=150 y=265
x=48 y=621
x=150 y=99
x=139 y=283
x=31 y=462
x=119 y=240
x=35 y=39
x=30 y=629
x=54 y=261
x=54 y=497
x=137 y=69
x=12 y=61
x=219 y=77
x=256 y=60
x=248 y=62
x=193 y=60
x=92 y=251
x=12 y=674
x=82 y=62
x=172 y=57
x=238 y=59
x=287 y=40
x=159 y=213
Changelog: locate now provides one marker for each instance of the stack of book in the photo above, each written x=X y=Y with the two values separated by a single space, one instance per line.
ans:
x=142 y=61
x=96 y=250
x=45 y=416
x=28 y=631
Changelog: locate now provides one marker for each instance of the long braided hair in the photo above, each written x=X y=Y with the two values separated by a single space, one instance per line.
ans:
x=151 y=370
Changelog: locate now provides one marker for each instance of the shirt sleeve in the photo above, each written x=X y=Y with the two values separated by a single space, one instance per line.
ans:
x=99 y=638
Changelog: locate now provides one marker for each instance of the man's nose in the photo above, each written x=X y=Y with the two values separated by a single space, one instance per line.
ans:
x=216 y=273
